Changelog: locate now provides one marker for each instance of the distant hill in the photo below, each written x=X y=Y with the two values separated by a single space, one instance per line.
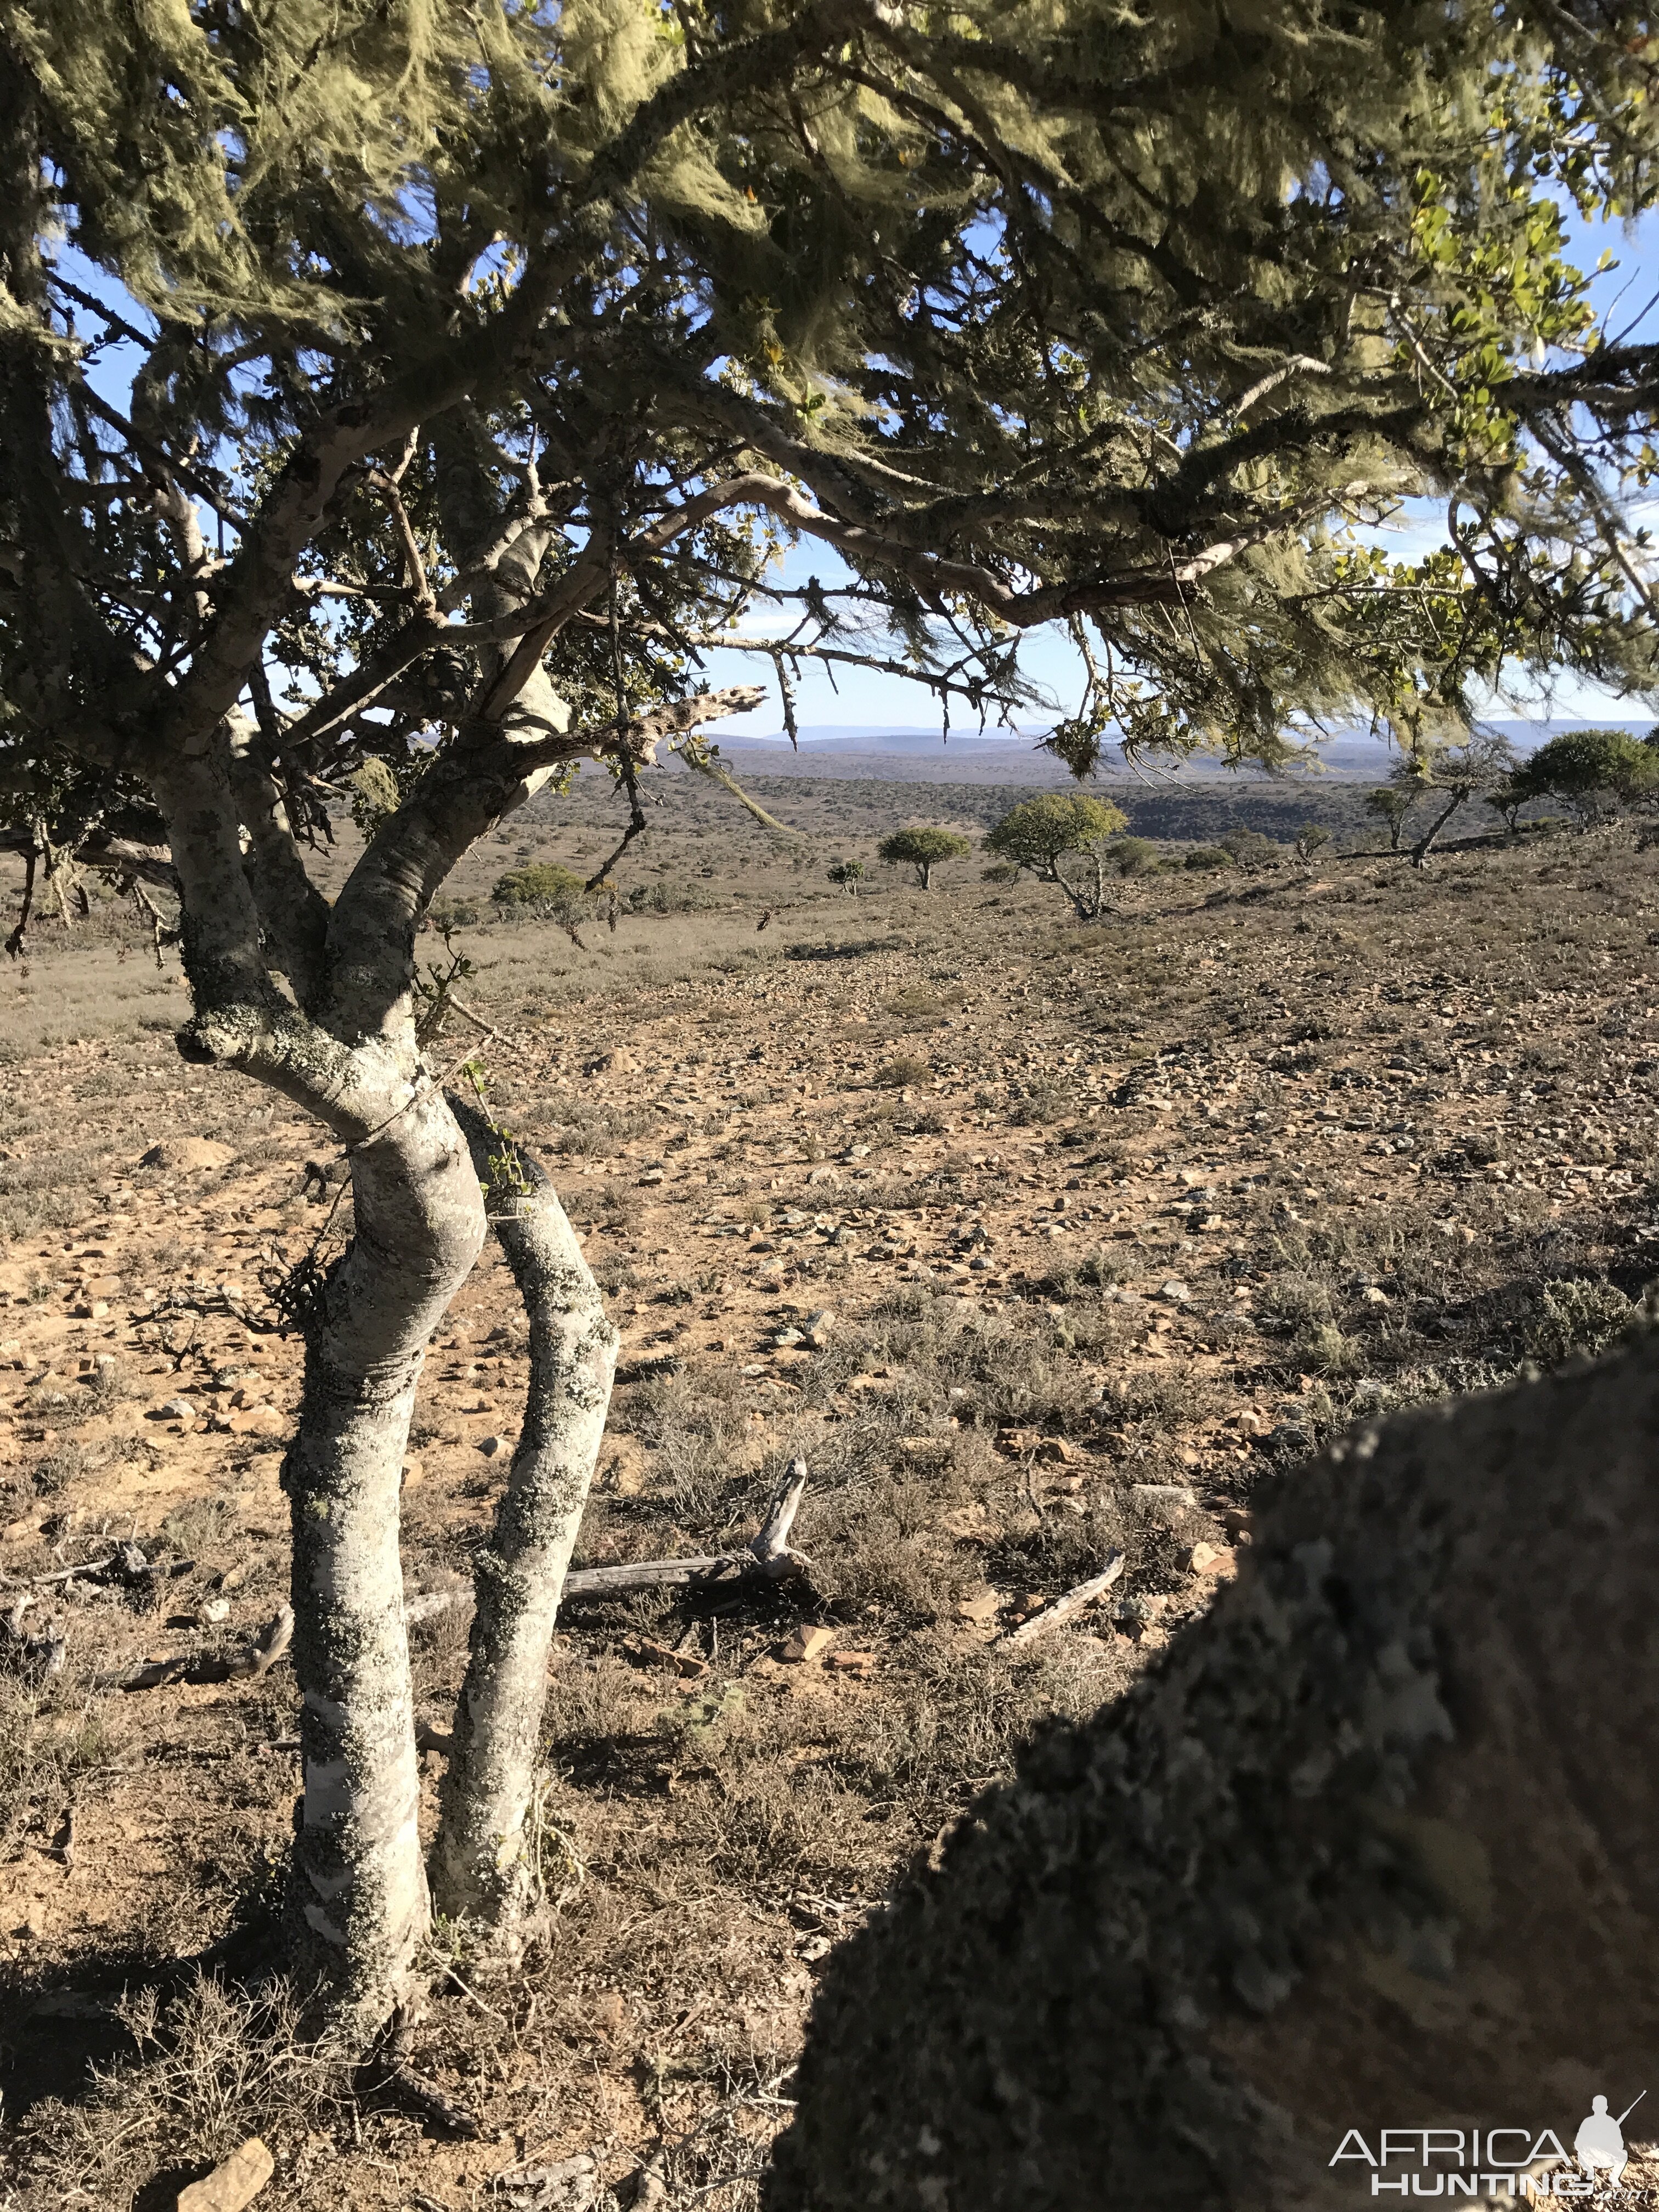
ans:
x=845 y=751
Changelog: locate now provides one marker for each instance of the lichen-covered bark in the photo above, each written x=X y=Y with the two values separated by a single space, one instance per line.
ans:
x=1372 y=1846
x=483 y=1867
x=358 y=1899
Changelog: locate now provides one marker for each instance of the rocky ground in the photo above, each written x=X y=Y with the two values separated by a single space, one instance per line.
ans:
x=1040 y=1243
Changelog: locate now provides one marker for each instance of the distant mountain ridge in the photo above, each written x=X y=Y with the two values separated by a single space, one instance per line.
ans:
x=843 y=748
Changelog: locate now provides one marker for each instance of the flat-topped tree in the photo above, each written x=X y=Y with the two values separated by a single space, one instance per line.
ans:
x=923 y=848
x=432 y=387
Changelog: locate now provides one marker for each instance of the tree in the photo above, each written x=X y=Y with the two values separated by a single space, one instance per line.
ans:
x=1039 y=832
x=1392 y=803
x=922 y=848
x=1453 y=775
x=434 y=387
x=1266 y=1898
x=848 y=875
x=1311 y=839
x=1595 y=771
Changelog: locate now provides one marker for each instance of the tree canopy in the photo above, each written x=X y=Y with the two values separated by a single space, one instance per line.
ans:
x=438 y=322
x=1586 y=768
x=922 y=848
x=1035 y=833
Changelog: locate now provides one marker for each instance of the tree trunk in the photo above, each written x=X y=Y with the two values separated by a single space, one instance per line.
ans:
x=1371 y=1847
x=1424 y=845
x=358 y=1906
x=485 y=1868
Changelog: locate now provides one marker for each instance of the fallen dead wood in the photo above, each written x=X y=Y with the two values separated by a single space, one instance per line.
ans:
x=257 y=1658
x=1073 y=1602
x=38 y=1656
x=769 y=1559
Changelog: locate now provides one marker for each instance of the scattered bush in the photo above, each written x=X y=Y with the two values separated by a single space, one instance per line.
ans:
x=846 y=875
x=1208 y=856
x=897 y=1074
x=1575 y=1316
x=664 y=898
x=1001 y=872
x=541 y=888
x=1134 y=856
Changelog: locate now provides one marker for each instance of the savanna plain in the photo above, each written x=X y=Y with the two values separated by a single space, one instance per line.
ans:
x=1040 y=1243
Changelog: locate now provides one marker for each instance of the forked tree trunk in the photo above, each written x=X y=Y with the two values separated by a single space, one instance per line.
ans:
x=484 y=1867
x=1373 y=1847
x=358 y=1902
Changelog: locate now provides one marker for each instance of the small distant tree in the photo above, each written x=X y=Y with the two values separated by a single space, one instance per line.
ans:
x=1392 y=803
x=1311 y=838
x=1251 y=850
x=1039 y=833
x=922 y=848
x=1456 y=774
x=1507 y=800
x=1595 y=772
x=848 y=875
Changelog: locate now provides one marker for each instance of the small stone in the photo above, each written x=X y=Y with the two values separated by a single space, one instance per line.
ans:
x=805 y=1644
x=786 y=1338
x=984 y=1606
x=1201 y=1558
x=234 y=2181
x=414 y=1474
x=177 y=1409
x=489 y=1446
x=1062 y=1450
x=213 y=1610
x=855 y=1663
x=1175 y=1291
